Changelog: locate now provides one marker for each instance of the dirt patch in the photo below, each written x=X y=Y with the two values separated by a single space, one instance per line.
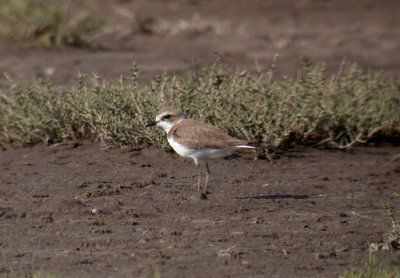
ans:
x=186 y=35
x=75 y=210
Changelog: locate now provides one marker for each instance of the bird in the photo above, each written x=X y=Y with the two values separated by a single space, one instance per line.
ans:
x=197 y=140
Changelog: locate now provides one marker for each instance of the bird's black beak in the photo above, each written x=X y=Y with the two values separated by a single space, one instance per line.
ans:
x=151 y=124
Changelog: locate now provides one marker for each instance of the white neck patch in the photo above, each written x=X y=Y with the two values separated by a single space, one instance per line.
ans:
x=165 y=125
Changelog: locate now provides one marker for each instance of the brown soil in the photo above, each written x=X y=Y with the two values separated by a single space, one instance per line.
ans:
x=78 y=211
x=242 y=32
x=75 y=210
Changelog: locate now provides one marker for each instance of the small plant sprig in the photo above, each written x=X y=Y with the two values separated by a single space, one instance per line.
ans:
x=391 y=239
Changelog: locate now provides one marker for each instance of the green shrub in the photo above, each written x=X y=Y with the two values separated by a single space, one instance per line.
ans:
x=351 y=107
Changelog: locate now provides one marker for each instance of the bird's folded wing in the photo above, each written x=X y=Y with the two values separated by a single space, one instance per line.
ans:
x=199 y=135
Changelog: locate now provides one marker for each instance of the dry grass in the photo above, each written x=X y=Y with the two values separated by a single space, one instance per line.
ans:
x=45 y=23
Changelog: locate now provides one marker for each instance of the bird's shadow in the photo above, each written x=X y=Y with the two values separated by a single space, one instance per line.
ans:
x=275 y=197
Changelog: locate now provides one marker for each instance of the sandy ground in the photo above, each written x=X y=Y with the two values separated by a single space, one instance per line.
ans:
x=191 y=34
x=81 y=212
x=75 y=210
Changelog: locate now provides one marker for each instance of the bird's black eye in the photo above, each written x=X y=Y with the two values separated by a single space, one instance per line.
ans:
x=166 y=117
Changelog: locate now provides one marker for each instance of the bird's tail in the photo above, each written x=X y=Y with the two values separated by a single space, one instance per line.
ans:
x=245 y=147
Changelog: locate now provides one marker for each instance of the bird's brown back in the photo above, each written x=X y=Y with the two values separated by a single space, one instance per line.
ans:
x=199 y=135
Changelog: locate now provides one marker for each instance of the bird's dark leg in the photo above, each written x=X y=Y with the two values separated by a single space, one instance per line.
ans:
x=207 y=176
x=199 y=175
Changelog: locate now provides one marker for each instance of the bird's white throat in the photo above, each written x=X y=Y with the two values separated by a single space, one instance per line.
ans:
x=165 y=125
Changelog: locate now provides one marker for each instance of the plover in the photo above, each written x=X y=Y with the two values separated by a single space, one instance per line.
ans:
x=197 y=140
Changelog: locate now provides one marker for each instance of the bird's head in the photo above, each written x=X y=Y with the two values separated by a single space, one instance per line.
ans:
x=167 y=117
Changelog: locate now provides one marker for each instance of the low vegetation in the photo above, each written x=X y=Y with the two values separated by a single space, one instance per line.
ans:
x=350 y=107
x=46 y=23
x=390 y=242
x=374 y=270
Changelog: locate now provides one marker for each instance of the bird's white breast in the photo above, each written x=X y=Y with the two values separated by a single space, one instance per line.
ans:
x=180 y=149
x=184 y=151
